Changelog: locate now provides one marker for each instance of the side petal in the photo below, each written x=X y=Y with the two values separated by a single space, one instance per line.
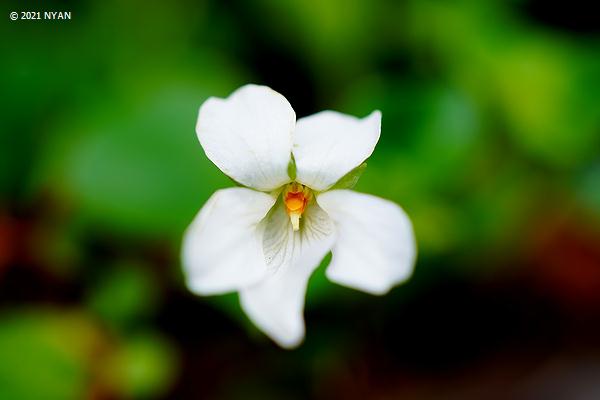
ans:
x=328 y=145
x=375 y=248
x=276 y=305
x=249 y=136
x=222 y=248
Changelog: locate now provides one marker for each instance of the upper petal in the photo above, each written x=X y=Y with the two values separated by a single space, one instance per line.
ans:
x=276 y=305
x=222 y=248
x=375 y=248
x=249 y=135
x=329 y=144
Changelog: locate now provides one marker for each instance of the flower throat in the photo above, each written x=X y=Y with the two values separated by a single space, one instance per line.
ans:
x=296 y=197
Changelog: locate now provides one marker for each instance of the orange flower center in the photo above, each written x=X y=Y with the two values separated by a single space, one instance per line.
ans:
x=296 y=197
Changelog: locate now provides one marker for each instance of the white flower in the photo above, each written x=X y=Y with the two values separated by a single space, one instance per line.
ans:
x=265 y=240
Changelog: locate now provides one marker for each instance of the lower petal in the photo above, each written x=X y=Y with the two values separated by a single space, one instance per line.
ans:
x=222 y=248
x=375 y=248
x=276 y=305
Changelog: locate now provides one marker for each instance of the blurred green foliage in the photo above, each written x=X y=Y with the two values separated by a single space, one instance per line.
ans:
x=44 y=355
x=123 y=296
x=53 y=354
x=490 y=122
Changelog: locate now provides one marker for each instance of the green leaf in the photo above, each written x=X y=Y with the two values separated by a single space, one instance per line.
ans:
x=154 y=180
x=349 y=180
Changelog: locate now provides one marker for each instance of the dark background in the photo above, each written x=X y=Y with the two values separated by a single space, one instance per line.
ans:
x=490 y=141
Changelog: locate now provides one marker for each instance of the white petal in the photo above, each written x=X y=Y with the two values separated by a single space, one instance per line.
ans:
x=276 y=305
x=222 y=249
x=375 y=248
x=249 y=136
x=328 y=145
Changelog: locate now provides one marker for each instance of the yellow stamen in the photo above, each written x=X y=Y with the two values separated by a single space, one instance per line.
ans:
x=296 y=198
